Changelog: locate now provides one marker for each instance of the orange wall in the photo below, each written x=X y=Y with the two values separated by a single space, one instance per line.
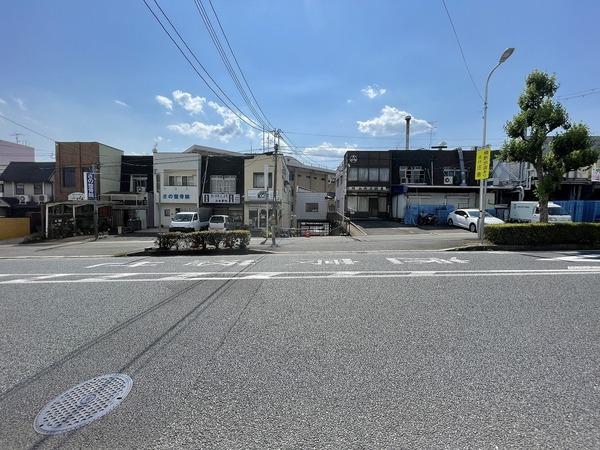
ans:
x=12 y=227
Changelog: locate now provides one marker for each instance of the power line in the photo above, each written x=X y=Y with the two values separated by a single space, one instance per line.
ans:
x=579 y=94
x=462 y=53
x=238 y=113
x=27 y=128
x=238 y=65
x=228 y=66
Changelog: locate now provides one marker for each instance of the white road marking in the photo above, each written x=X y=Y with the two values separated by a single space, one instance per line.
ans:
x=223 y=262
x=452 y=260
x=133 y=264
x=334 y=262
x=595 y=257
x=222 y=276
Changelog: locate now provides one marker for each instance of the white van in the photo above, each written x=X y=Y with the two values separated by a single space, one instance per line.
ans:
x=188 y=221
x=220 y=223
x=530 y=212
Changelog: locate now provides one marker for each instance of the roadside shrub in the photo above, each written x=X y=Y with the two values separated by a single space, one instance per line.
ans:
x=540 y=234
x=166 y=241
x=200 y=240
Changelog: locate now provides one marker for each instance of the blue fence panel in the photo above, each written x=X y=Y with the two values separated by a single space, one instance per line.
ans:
x=581 y=210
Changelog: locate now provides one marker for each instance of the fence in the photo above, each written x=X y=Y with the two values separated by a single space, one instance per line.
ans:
x=13 y=227
x=441 y=212
x=581 y=210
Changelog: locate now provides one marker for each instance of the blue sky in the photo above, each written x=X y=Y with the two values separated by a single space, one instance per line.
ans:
x=92 y=71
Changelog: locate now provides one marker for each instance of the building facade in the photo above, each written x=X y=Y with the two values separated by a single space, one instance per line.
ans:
x=13 y=152
x=258 y=191
x=176 y=185
x=222 y=185
x=29 y=182
x=75 y=158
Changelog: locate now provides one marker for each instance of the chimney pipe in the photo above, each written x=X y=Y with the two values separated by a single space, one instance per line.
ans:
x=407 y=118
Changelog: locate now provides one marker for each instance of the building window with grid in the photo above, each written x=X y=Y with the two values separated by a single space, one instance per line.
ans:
x=411 y=175
x=19 y=188
x=37 y=188
x=182 y=180
x=222 y=184
x=258 y=180
x=353 y=174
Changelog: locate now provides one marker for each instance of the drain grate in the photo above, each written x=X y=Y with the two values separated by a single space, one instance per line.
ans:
x=83 y=404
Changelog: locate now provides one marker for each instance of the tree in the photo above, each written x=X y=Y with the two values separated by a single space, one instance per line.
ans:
x=540 y=115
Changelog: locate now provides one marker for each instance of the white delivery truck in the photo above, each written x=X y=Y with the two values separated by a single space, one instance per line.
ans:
x=191 y=220
x=530 y=212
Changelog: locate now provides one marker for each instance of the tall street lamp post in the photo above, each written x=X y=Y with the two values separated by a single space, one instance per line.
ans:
x=483 y=183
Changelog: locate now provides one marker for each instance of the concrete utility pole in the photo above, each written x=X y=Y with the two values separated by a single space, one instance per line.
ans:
x=276 y=134
x=407 y=118
x=94 y=171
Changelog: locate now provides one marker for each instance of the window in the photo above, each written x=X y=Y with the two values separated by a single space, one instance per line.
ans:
x=259 y=180
x=1 y=187
x=363 y=174
x=68 y=176
x=158 y=182
x=223 y=184
x=292 y=176
x=363 y=204
x=167 y=212
x=451 y=172
x=353 y=174
x=37 y=188
x=177 y=210
x=384 y=174
x=182 y=180
x=311 y=207
x=19 y=188
x=138 y=183
x=373 y=174
x=299 y=176
x=411 y=174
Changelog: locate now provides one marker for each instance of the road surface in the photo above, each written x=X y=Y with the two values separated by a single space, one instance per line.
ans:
x=391 y=349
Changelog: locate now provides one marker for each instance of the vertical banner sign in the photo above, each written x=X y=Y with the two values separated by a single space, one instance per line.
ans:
x=89 y=185
x=482 y=164
x=266 y=176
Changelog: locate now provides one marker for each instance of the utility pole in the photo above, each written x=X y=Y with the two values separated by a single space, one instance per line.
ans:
x=94 y=171
x=275 y=216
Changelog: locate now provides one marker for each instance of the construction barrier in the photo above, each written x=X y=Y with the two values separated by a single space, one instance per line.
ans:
x=13 y=227
x=441 y=212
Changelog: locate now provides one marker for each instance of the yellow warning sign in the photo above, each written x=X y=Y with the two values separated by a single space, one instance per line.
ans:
x=482 y=164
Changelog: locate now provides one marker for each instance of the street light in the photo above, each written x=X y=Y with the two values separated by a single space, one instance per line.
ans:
x=483 y=183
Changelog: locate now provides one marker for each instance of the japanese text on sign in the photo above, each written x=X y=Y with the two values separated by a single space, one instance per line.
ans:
x=482 y=164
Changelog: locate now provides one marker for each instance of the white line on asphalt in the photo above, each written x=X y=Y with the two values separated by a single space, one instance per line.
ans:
x=218 y=276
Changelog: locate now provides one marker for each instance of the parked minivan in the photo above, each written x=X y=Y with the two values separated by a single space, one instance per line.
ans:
x=529 y=211
x=220 y=223
x=188 y=221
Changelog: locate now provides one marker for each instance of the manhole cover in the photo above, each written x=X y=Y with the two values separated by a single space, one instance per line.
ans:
x=83 y=404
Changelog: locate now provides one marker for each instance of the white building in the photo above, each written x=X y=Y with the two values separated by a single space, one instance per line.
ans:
x=176 y=181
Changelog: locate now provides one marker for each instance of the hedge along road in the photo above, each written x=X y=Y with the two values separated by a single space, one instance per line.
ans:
x=257 y=362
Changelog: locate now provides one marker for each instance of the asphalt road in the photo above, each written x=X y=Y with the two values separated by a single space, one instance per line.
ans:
x=386 y=349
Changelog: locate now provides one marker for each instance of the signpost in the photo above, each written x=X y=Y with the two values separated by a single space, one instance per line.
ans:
x=482 y=173
x=89 y=185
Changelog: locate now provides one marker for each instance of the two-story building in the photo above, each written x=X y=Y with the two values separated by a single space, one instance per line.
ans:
x=258 y=186
x=222 y=185
x=176 y=184
x=27 y=186
x=383 y=184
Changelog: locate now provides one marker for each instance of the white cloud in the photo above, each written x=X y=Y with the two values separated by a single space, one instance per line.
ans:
x=20 y=103
x=373 y=91
x=231 y=126
x=190 y=103
x=158 y=138
x=2 y=101
x=327 y=150
x=349 y=100
x=391 y=122
x=164 y=101
x=121 y=103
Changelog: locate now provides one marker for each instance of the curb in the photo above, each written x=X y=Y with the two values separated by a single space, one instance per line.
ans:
x=518 y=248
x=151 y=251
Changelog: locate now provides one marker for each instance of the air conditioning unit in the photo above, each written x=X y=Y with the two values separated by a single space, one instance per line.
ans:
x=23 y=198
x=42 y=198
x=448 y=180
x=140 y=189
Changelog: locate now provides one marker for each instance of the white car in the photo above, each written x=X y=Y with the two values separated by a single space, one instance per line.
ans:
x=467 y=218
x=220 y=223
x=187 y=221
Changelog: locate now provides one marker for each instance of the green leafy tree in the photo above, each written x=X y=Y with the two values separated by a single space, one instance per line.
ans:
x=540 y=115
